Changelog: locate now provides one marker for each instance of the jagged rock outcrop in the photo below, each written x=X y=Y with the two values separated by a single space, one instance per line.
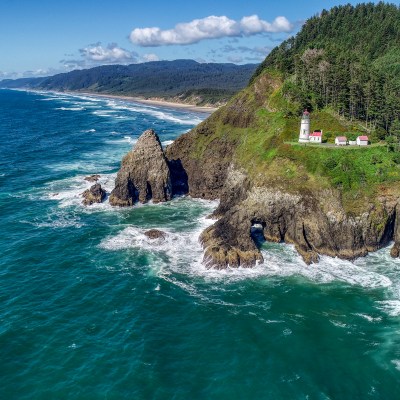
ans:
x=155 y=234
x=144 y=174
x=239 y=156
x=315 y=223
x=205 y=175
x=92 y=178
x=395 y=250
x=96 y=194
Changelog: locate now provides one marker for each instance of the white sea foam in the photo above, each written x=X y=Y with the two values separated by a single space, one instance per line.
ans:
x=180 y=251
x=135 y=237
x=57 y=219
x=111 y=108
x=390 y=307
x=84 y=166
x=338 y=324
x=172 y=116
x=68 y=192
x=104 y=113
x=54 y=98
x=185 y=254
x=283 y=260
x=167 y=142
x=369 y=318
x=125 y=139
x=88 y=98
x=396 y=364
x=71 y=108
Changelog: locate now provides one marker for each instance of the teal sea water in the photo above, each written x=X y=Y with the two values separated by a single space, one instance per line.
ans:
x=90 y=309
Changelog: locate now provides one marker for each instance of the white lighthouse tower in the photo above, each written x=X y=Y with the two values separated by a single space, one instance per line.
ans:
x=305 y=128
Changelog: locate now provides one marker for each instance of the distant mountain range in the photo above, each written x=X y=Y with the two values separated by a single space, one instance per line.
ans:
x=179 y=80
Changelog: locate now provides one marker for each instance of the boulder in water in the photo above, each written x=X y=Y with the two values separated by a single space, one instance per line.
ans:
x=155 y=234
x=92 y=178
x=96 y=194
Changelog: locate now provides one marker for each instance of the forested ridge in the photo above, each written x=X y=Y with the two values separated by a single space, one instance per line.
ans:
x=183 y=80
x=347 y=59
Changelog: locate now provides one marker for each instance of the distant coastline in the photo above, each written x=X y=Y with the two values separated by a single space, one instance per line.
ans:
x=133 y=99
x=152 y=102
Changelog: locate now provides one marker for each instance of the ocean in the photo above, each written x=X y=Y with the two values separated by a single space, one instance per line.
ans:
x=91 y=309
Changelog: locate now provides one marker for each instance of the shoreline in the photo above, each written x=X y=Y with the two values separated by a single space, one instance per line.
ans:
x=151 y=102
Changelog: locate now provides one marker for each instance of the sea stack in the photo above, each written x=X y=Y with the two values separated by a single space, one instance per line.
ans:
x=144 y=174
x=96 y=194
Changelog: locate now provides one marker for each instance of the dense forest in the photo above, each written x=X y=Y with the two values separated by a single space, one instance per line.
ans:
x=347 y=59
x=185 y=80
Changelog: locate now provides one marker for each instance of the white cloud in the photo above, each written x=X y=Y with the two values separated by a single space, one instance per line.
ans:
x=107 y=55
x=41 y=72
x=253 y=25
x=150 y=57
x=96 y=54
x=211 y=27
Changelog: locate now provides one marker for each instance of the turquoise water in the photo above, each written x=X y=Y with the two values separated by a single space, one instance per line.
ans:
x=90 y=309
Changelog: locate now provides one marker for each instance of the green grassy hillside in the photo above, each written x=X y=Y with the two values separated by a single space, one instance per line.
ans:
x=260 y=122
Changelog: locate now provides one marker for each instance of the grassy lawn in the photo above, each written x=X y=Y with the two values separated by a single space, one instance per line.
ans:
x=266 y=147
x=333 y=146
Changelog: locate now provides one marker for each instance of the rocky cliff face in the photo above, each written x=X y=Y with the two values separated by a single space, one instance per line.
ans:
x=144 y=174
x=227 y=157
x=205 y=174
x=238 y=156
x=315 y=223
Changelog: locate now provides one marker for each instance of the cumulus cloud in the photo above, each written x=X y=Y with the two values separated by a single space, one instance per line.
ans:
x=108 y=55
x=96 y=54
x=211 y=27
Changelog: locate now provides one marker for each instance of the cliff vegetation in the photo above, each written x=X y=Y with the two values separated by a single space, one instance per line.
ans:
x=336 y=201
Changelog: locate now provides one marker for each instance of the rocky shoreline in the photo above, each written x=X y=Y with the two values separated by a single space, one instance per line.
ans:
x=315 y=222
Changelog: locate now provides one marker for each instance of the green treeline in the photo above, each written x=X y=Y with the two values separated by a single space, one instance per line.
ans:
x=348 y=59
x=184 y=79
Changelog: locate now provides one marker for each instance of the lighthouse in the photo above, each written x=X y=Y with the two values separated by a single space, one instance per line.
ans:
x=305 y=128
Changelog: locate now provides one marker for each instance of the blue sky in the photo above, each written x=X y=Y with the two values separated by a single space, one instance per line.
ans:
x=42 y=37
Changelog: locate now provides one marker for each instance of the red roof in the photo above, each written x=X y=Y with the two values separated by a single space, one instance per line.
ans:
x=306 y=112
x=316 y=134
x=341 y=138
x=363 y=138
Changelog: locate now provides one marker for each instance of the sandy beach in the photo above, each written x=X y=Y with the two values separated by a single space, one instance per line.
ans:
x=153 y=102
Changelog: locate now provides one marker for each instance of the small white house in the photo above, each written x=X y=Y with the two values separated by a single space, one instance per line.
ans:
x=316 y=137
x=352 y=142
x=362 y=141
x=341 y=141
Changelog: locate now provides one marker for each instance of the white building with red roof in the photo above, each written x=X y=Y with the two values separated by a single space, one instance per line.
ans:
x=362 y=141
x=341 y=141
x=316 y=137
